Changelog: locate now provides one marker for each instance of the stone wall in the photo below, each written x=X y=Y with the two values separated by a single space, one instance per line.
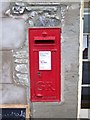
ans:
x=11 y=38
x=17 y=18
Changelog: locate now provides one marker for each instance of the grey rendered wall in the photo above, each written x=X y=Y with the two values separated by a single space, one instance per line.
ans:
x=70 y=56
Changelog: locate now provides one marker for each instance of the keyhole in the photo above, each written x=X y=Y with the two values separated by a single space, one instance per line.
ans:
x=38 y=74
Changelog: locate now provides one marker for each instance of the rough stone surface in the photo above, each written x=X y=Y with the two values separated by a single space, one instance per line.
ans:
x=10 y=93
x=50 y=1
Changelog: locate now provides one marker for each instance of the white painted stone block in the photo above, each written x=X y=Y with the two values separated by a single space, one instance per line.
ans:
x=84 y=113
x=12 y=33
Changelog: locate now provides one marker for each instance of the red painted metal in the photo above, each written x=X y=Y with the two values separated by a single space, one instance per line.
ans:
x=45 y=64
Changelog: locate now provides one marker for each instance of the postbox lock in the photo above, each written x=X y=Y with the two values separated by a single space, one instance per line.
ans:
x=38 y=74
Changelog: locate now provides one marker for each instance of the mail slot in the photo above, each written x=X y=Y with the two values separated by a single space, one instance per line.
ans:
x=44 y=41
x=45 y=64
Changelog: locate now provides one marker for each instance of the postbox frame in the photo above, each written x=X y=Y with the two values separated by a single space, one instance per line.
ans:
x=38 y=38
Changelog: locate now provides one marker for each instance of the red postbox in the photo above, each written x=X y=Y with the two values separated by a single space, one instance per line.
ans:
x=45 y=64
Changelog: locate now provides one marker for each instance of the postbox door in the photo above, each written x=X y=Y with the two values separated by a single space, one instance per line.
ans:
x=45 y=64
x=46 y=82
